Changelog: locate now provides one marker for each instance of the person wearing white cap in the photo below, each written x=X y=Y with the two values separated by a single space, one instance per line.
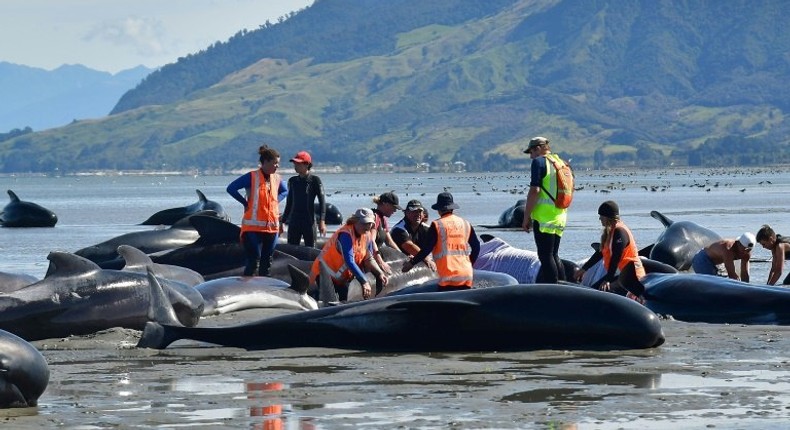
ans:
x=726 y=251
x=347 y=252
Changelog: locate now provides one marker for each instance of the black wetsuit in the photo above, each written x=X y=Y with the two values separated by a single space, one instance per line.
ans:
x=299 y=211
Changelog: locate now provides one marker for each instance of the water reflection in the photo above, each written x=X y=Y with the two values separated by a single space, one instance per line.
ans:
x=266 y=404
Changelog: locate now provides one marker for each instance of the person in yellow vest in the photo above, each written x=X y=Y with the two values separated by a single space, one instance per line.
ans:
x=619 y=253
x=540 y=213
x=260 y=224
x=454 y=245
x=347 y=252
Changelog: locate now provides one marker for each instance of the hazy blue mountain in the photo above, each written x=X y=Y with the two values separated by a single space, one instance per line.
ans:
x=41 y=99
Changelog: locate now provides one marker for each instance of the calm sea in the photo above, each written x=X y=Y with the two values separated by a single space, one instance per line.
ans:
x=92 y=209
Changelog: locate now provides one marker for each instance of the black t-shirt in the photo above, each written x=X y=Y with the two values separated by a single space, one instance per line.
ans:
x=400 y=233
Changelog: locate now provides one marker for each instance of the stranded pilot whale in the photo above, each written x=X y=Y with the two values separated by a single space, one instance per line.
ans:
x=680 y=241
x=508 y=318
x=24 y=373
x=237 y=293
x=173 y=215
x=19 y=213
x=716 y=299
x=78 y=297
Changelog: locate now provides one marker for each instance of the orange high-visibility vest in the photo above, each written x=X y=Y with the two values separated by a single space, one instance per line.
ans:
x=263 y=211
x=630 y=253
x=332 y=255
x=451 y=252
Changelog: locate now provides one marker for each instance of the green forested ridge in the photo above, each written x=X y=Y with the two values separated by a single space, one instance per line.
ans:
x=403 y=81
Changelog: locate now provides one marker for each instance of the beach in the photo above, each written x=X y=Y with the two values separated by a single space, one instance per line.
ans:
x=704 y=376
x=720 y=376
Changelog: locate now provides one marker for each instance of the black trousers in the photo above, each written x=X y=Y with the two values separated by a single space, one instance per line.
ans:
x=548 y=245
x=302 y=229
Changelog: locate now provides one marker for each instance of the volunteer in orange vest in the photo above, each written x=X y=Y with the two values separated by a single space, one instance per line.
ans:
x=540 y=213
x=349 y=250
x=454 y=245
x=260 y=224
x=619 y=253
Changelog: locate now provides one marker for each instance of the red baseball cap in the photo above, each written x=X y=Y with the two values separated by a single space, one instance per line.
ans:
x=302 y=157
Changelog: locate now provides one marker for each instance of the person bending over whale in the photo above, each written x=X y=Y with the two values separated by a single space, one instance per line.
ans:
x=350 y=247
x=454 y=245
x=780 y=251
x=619 y=253
x=725 y=251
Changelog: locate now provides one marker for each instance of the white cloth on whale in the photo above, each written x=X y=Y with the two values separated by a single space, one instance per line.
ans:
x=497 y=255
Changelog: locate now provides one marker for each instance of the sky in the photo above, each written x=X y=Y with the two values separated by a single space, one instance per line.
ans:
x=116 y=35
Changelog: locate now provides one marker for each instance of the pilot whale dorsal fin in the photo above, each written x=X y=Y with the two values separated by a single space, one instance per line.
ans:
x=201 y=197
x=433 y=305
x=13 y=196
x=63 y=264
x=160 y=309
x=300 y=281
x=213 y=230
x=133 y=257
x=661 y=217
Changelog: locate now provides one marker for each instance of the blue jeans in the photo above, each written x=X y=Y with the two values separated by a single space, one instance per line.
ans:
x=702 y=264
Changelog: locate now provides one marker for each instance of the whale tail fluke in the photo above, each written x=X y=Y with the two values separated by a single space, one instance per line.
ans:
x=154 y=336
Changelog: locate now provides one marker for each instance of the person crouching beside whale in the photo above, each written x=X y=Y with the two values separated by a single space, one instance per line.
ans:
x=260 y=225
x=350 y=247
x=725 y=251
x=619 y=253
x=780 y=250
x=409 y=233
x=454 y=245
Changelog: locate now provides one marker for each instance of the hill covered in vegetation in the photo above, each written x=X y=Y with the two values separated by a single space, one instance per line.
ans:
x=611 y=82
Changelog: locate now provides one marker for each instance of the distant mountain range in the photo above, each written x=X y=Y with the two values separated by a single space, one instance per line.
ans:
x=41 y=99
x=646 y=83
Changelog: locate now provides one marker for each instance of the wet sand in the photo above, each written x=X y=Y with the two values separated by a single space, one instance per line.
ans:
x=704 y=376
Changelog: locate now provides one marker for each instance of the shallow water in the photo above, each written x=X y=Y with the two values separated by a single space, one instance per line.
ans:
x=705 y=376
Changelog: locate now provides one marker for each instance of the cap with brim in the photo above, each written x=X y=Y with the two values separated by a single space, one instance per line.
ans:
x=535 y=142
x=747 y=240
x=391 y=198
x=302 y=157
x=444 y=201
x=364 y=215
x=414 y=205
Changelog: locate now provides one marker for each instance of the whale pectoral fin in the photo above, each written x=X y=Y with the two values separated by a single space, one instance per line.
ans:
x=433 y=305
x=300 y=281
x=663 y=219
